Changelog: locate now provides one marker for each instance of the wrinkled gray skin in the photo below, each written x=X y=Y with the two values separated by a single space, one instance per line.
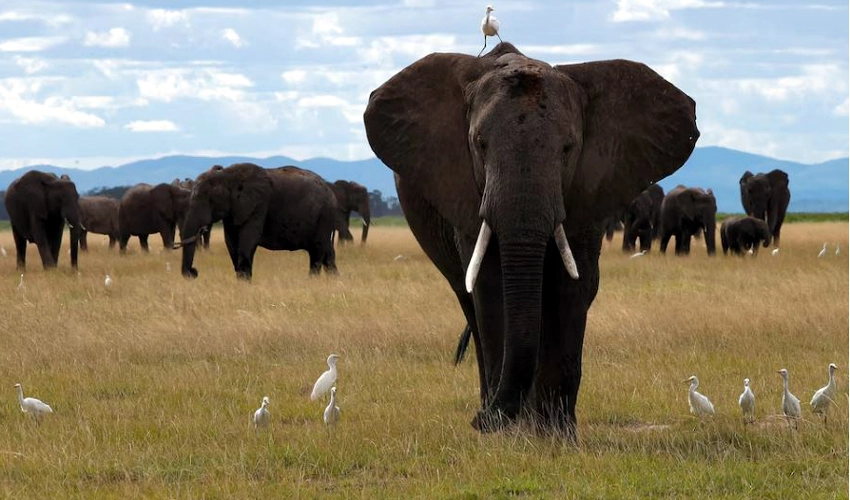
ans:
x=351 y=197
x=642 y=218
x=99 y=215
x=39 y=204
x=685 y=212
x=526 y=147
x=766 y=197
x=740 y=234
x=147 y=209
x=204 y=235
x=286 y=208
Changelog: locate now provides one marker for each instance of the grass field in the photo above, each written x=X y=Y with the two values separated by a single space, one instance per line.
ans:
x=153 y=380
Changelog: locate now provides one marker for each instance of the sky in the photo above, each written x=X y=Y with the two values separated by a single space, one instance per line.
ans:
x=87 y=84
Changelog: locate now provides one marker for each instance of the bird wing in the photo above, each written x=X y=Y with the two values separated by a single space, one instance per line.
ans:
x=322 y=385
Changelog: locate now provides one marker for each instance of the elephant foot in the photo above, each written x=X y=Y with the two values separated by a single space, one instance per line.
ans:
x=192 y=273
x=494 y=418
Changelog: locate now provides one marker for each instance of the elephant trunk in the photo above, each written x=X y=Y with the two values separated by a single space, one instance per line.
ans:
x=188 y=256
x=367 y=221
x=196 y=219
x=710 y=232
x=71 y=212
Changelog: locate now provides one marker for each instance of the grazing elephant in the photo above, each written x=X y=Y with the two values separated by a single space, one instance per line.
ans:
x=741 y=234
x=351 y=197
x=38 y=205
x=147 y=209
x=642 y=217
x=611 y=224
x=685 y=212
x=99 y=214
x=284 y=208
x=766 y=197
x=204 y=235
x=505 y=167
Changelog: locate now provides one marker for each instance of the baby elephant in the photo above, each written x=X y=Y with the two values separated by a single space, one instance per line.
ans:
x=741 y=234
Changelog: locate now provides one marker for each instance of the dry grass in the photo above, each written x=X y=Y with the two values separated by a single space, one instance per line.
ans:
x=153 y=381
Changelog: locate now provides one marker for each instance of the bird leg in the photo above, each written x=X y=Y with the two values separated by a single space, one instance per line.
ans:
x=484 y=47
x=497 y=36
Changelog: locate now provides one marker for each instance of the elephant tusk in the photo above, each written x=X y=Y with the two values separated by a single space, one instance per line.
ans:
x=478 y=255
x=566 y=253
x=191 y=239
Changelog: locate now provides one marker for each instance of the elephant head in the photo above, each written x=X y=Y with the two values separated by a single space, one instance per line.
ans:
x=232 y=194
x=527 y=155
x=352 y=197
x=62 y=193
x=755 y=193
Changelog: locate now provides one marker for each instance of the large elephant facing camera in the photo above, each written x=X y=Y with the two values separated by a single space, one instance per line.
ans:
x=642 y=218
x=505 y=168
x=686 y=212
x=351 y=197
x=147 y=210
x=286 y=208
x=38 y=205
x=740 y=234
x=766 y=197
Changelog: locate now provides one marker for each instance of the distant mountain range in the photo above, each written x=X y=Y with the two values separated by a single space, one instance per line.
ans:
x=821 y=187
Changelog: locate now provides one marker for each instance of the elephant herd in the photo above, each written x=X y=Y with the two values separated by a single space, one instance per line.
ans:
x=685 y=212
x=284 y=208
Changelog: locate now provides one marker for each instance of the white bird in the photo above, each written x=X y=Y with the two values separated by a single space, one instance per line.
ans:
x=747 y=402
x=261 y=416
x=699 y=404
x=107 y=281
x=750 y=251
x=21 y=286
x=3 y=251
x=790 y=403
x=331 y=415
x=824 y=396
x=168 y=266
x=823 y=251
x=837 y=249
x=639 y=254
x=775 y=252
x=489 y=26
x=33 y=406
x=398 y=257
x=325 y=380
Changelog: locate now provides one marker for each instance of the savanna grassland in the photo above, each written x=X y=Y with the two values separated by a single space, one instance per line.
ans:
x=153 y=381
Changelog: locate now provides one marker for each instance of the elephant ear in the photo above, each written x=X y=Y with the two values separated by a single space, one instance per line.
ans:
x=638 y=129
x=416 y=124
x=249 y=193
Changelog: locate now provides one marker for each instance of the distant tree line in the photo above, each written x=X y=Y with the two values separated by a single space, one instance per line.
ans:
x=379 y=204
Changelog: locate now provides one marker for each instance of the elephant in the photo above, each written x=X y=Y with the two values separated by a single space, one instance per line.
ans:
x=285 y=208
x=505 y=168
x=642 y=218
x=205 y=233
x=38 y=205
x=685 y=212
x=351 y=197
x=611 y=224
x=766 y=197
x=147 y=209
x=99 y=214
x=741 y=234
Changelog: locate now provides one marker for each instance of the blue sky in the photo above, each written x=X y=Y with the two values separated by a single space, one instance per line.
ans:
x=88 y=84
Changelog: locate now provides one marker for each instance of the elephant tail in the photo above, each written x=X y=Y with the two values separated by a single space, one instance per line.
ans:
x=462 y=344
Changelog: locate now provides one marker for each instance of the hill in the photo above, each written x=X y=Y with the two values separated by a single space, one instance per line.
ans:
x=819 y=187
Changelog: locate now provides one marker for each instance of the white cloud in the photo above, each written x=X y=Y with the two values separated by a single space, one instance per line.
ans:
x=18 y=98
x=326 y=30
x=294 y=76
x=49 y=19
x=352 y=112
x=152 y=126
x=205 y=84
x=381 y=49
x=679 y=33
x=842 y=109
x=815 y=79
x=115 y=37
x=30 y=44
x=655 y=10
x=30 y=64
x=569 y=49
x=233 y=37
x=163 y=18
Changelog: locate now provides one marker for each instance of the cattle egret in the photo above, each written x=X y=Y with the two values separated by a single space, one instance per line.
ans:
x=398 y=257
x=331 y=414
x=639 y=254
x=261 y=416
x=837 y=249
x=699 y=404
x=750 y=251
x=747 y=402
x=3 y=251
x=325 y=380
x=489 y=26
x=775 y=252
x=34 y=407
x=824 y=396
x=790 y=403
x=21 y=286
x=107 y=281
x=823 y=251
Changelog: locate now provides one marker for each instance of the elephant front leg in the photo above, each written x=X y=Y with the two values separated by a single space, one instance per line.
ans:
x=249 y=239
x=20 y=249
